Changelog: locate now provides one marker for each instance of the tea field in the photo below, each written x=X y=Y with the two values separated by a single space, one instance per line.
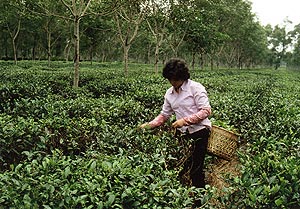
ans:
x=62 y=147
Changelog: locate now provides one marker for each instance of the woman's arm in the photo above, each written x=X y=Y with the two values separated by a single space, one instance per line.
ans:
x=202 y=102
x=162 y=117
x=158 y=121
x=198 y=117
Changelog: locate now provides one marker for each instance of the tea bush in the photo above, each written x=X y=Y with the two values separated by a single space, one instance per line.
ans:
x=66 y=147
x=97 y=181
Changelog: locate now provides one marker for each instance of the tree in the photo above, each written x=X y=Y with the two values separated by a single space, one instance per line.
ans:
x=51 y=25
x=157 y=21
x=78 y=9
x=75 y=11
x=279 y=40
x=203 y=34
x=12 y=22
x=234 y=37
x=128 y=19
x=176 y=25
x=219 y=32
x=99 y=38
x=294 y=58
x=255 y=46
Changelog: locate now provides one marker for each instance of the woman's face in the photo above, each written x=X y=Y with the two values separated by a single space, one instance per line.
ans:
x=176 y=83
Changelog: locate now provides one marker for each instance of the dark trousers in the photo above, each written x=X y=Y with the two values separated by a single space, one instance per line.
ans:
x=195 y=162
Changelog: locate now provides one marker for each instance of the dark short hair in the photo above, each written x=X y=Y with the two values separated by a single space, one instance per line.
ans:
x=176 y=69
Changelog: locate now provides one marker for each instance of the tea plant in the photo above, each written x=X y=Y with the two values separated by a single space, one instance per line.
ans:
x=96 y=181
x=65 y=147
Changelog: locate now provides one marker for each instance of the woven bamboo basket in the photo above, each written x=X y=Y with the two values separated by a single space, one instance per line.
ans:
x=222 y=143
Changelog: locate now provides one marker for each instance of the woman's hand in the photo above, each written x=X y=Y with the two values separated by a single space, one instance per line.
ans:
x=145 y=126
x=178 y=123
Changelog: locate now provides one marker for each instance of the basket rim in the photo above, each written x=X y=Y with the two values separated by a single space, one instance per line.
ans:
x=223 y=129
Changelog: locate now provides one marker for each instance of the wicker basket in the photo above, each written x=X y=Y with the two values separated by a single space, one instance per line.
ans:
x=222 y=143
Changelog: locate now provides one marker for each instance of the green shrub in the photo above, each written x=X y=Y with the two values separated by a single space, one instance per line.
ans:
x=40 y=112
x=57 y=181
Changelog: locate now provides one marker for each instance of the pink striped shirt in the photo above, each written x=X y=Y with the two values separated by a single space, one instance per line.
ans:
x=191 y=104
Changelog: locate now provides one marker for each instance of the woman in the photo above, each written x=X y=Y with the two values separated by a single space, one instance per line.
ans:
x=188 y=100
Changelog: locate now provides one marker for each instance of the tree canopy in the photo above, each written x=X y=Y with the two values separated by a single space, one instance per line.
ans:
x=207 y=32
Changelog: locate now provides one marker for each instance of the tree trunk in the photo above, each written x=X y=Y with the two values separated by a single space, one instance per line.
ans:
x=33 y=51
x=14 y=37
x=201 y=61
x=193 y=60
x=159 y=40
x=6 y=53
x=91 y=54
x=211 y=62
x=126 y=50
x=156 y=58
x=76 y=51
x=49 y=48
x=67 y=50
x=103 y=57
x=148 y=58
x=15 y=51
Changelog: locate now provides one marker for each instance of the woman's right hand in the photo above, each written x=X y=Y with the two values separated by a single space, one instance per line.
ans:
x=145 y=126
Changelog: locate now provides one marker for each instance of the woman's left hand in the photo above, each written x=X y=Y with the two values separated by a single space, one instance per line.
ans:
x=178 y=123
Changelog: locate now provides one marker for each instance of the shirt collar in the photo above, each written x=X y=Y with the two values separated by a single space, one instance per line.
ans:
x=183 y=87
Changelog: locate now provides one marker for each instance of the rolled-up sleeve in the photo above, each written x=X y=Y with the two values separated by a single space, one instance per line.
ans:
x=203 y=106
x=164 y=115
x=198 y=117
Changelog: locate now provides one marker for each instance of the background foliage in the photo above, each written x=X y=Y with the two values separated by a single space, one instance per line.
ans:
x=212 y=33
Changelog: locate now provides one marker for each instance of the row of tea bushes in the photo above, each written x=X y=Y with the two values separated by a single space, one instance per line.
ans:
x=264 y=107
x=71 y=124
x=96 y=181
x=40 y=112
